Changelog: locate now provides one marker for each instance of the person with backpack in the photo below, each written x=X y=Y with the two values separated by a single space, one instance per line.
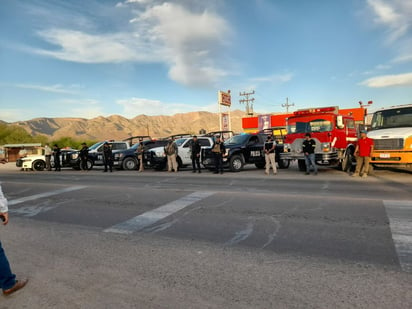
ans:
x=171 y=153
x=218 y=150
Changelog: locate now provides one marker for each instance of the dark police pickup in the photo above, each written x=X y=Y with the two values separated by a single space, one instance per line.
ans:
x=240 y=150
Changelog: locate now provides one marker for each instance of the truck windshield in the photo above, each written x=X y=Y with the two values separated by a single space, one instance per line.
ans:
x=315 y=125
x=237 y=139
x=95 y=146
x=392 y=118
x=180 y=141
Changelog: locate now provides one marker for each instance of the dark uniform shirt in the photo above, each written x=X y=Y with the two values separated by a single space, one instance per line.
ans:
x=309 y=146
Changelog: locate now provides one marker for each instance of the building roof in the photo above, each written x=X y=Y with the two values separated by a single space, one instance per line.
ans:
x=22 y=145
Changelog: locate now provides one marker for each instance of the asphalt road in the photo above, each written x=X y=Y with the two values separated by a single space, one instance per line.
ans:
x=184 y=240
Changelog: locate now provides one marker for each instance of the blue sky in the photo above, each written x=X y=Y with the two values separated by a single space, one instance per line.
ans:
x=90 y=58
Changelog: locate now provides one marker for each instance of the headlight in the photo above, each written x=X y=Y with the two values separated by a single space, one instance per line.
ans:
x=159 y=154
x=325 y=147
x=75 y=156
x=286 y=147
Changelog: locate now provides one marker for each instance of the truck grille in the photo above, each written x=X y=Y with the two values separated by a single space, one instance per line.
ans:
x=388 y=144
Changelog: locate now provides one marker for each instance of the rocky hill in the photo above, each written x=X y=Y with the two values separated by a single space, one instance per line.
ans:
x=118 y=127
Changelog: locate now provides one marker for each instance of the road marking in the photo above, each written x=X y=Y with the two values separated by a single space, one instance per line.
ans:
x=150 y=217
x=400 y=221
x=45 y=194
x=241 y=235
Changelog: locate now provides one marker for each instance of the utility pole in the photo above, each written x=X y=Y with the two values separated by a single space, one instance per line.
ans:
x=249 y=108
x=287 y=105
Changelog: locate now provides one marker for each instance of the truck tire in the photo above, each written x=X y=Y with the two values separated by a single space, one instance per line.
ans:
x=38 y=165
x=90 y=164
x=347 y=162
x=302 y=165
x=283 y=163
x=236 y=163
x=129 y=164
x=179 y=163
x=160 y=167
x=260 y=165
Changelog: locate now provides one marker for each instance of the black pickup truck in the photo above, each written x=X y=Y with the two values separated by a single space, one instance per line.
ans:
x=240 y=150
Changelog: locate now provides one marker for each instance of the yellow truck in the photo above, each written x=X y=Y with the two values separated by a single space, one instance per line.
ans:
x=391 y=130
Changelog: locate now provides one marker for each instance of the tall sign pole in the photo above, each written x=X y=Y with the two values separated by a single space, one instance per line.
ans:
x=224 y=99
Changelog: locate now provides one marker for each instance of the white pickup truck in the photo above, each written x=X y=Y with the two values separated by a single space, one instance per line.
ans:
x=156 y=157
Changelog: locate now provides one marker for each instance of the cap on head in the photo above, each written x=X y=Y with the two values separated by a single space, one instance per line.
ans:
x=194 y=136
x=364 y=131
x=307 y=135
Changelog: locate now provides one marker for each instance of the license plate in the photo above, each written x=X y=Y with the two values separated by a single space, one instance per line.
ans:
x=384 y=155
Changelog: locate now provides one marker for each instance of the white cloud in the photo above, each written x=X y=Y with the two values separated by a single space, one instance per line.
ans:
x=81 y=47
x=395 y=14
x=275 y=79
x=388 y=81
x=137 y=106
x=46 y=88
x=403 y=58
x=192 y=44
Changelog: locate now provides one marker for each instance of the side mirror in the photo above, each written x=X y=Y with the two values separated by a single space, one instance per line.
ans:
x=339 y=122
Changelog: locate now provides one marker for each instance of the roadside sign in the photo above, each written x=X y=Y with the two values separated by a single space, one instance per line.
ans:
x=225 y=98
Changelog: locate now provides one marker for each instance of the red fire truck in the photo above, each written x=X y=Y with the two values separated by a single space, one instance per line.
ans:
x=335 y=134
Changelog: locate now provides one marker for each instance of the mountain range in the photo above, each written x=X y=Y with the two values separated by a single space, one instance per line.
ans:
x=118 y=127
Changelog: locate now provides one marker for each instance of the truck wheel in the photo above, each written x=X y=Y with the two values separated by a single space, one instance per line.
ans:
x=90 y=164
x=347 y=163
x=302 y=165
x=160 y=167
x=129 y=164
x=236 y=163
x=38 y=165
x=260 y=165
x=179 y=163
x=284 y=163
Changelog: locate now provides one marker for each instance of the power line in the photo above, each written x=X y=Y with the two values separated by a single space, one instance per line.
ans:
x=287 y=105
x=249 y=108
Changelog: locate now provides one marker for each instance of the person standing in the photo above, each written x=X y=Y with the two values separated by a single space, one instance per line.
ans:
x=8 y=282
x=48 y=153
x=195 y=149
x=107 y=157
x=363 y=152
x=308 y=147
x=218 y=150
x=269 y=149
x=140 y=151
x=84 y=155
x=171 y=152
x=56 y=158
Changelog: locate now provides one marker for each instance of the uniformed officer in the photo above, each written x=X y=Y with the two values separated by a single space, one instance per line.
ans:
x=107 y=157
x=84 y=154
x=56 y=158
x=140 y=151
x=195 y=149
x=269 y=149
x=218 y=150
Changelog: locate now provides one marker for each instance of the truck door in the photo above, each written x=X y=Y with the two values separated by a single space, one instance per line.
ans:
x=184 y=152
x=253 y=150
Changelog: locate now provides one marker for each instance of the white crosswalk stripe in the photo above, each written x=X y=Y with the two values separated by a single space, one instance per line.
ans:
x=400 y=220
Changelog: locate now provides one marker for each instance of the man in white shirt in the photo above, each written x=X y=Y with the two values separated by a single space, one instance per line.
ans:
x=8 y=282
